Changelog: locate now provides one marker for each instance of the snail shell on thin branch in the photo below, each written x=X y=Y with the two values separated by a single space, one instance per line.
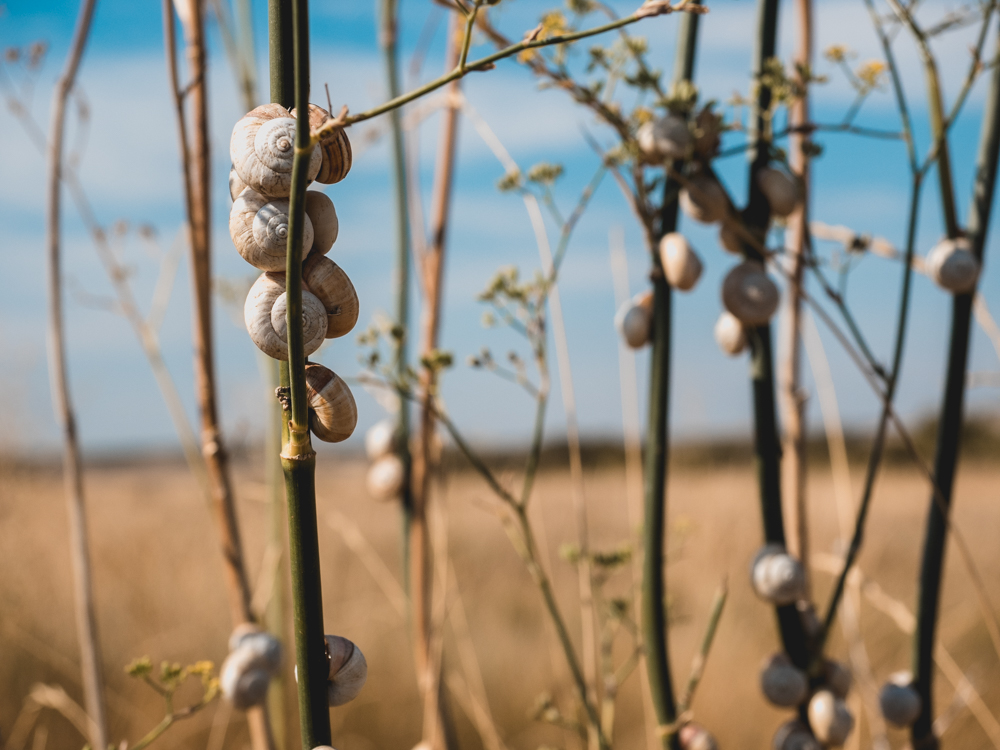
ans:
x=730 y=334
x=695 y=737
x=380 y=439
x=326 y=226
x=236 y=184
x=664 y=138
x=681 y=264
x=777 y=577
x=794 y=735
x=634 y=320
x=264 y=315
x=749 y=294
x=262 y=149
x=704 y=199
x=247 y=671
x=838 y=678
x=385 y=477
x=336 y=293
x=249 y=636
x=334 y=147
x=333 y=415
x=952 y=265
x=782 y=190
x=900 y=703
x=259 y=228
x=830 y=719
x=782 y=683
x=348 y=670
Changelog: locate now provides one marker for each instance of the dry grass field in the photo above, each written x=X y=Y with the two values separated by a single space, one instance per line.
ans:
x=160 y=593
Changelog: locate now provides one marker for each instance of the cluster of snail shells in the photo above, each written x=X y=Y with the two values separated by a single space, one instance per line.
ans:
x=953 y=266
x=899 y=701
x=749 y=294
x=777 y=577
x=830 y=719
x=664 y=139
x=693 y=736
x=348 y=670
x=634 y=320
x=386 y=473
x=254 y=659
x=794 y=735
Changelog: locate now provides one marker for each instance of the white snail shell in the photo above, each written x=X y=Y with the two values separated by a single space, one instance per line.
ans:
x=900 y=703
x=794 y=735
x=782 y=190
x=664 y=138
x=380 y=439
x=334 y=148
x=730 y=334
x=830 y=719
x=247 y=671
x=385 y=477
x=782 y=683
x=749 y=294
x=326 y=226
x=259 y=228
x=336 y=293
x=952 y=265
x=348 y=670
x=705 y=200
x=695 y=737
x=236 y=184
x=262 y=149
x=838 y=678
x=777 y=577
x=681 y=264
x=333 y=415
x=634 y=320
x=264 y=315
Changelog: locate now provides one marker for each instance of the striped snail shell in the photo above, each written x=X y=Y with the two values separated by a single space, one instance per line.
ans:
x=782 y=190
x=830 y=719
x=336 y=293
x=333 y=415
x=704 y=199
x=681 y=264
x=385 y=477
x=262 y=149
x=794 y=735
x=634 y=320
x=264 y=315
x=777 y=577
x=952 y=265
x=749 y=294
x=730 y=334
x=348 y=670
x=326 y=226
x=334 y=147
x=236 y=184
x=258 y=226
x=782 y=683
x=664 y=138
x=900 y=703
x=380 y=439
x=693 y=736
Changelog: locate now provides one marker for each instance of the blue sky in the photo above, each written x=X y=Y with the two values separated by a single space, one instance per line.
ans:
x=131 y=170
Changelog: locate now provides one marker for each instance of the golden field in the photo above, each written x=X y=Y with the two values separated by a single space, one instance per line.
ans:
x=160 y=593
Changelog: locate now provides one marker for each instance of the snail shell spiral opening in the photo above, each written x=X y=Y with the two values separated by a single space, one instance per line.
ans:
x=749 y=294
x=952 y=266
x=264 y=316
x=777 y=577
x=259 y=230
x=262 y=149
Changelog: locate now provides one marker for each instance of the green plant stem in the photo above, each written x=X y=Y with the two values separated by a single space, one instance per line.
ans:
x=653 y=618
x=701 y=658
x=950 y=425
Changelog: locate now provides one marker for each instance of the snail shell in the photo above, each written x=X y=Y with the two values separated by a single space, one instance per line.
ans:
x=729 y=240
x=385 y=477
x=838 y=678
x=830 y=719
x=704 y=200
x=326 y=226
x=900 y=703
x=952 y=265
x=664 y=138
x=262 y=149
x=246 y=673
x=695 y=737
x=333 y=415
x=794 y=735
x=380 y=439
x=264 y=315
x=782 y=683
x=634 y=320
x=781 y=188
x=749 y=294
x=348 y=670
x=336 y=293
x=730 y=334
x=236 y=184
x=334 y=147
x=259 y=228
x=777 y=577
x=681 y=264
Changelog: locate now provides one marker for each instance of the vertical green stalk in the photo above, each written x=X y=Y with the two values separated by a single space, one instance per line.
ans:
x=767 y=446
x=950 y=425
x=654 y=595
